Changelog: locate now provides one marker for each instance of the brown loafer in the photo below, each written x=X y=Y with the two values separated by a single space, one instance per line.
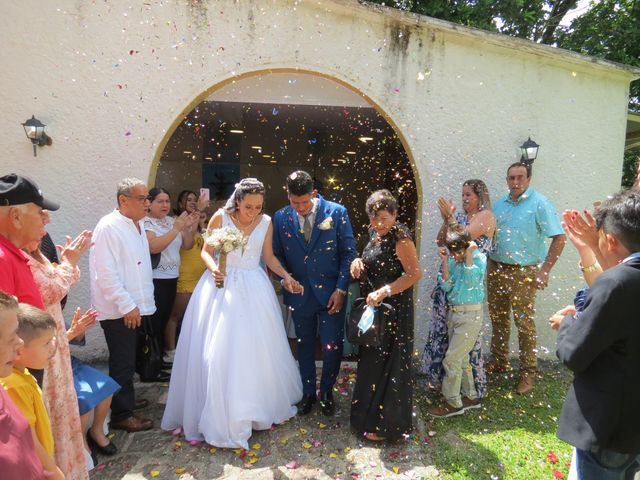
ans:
x=132 y=424
x=468 y=404
x=141 y=403
x=444 y=410
x=526 y=383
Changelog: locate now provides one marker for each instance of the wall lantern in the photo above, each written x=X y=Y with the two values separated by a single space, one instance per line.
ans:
x=529 y=151
x=34 y=129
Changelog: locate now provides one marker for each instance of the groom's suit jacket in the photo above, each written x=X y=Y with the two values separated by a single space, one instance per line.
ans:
x=322 y=265
x=602 y=348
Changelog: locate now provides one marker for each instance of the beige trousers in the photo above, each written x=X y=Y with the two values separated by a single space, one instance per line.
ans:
x=464 y=328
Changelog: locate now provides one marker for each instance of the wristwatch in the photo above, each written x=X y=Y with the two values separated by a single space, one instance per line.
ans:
x=341 y=292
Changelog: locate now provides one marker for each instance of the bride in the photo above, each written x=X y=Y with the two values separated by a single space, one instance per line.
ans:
x=233 y=370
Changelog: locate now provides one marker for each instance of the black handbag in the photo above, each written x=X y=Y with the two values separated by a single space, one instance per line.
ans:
x=148 y=354
x=384 y=315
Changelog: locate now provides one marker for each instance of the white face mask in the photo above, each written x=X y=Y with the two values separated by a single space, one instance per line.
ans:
x=367 y=319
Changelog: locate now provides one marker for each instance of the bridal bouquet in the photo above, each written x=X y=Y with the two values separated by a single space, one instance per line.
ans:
x=224 y=241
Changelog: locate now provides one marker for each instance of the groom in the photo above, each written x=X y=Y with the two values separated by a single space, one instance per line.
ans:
x=313 y=240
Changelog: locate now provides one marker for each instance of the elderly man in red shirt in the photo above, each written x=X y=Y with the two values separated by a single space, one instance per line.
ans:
x=23 y=215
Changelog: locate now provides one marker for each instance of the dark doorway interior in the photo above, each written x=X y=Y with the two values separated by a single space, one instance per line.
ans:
x=350 y=151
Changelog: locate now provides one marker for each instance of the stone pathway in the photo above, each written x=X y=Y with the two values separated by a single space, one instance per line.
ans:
x=310 y=447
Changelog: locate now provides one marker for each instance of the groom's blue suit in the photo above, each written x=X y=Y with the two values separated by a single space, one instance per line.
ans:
x=321 y=266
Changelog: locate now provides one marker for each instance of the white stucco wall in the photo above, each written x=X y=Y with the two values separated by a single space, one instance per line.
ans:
x=110 y=79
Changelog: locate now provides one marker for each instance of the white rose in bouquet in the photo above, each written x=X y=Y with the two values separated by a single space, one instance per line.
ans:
x=224 y=241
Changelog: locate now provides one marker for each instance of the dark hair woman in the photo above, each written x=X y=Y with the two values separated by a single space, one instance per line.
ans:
x=381 y=408
x=480 y=223
x=234 y=325
x=191 y=267
x=166 y=235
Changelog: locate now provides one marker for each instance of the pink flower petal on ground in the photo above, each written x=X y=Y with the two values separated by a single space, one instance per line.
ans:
x=292 y=465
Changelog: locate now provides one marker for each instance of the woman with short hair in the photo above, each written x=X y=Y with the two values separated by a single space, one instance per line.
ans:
x=381 y=407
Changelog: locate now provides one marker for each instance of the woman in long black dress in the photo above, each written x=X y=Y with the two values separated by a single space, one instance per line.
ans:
x=381 y=408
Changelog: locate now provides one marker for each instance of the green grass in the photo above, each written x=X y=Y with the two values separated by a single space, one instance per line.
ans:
x=510 y=437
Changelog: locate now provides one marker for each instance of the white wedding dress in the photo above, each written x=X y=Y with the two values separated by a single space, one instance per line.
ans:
x=233 y=370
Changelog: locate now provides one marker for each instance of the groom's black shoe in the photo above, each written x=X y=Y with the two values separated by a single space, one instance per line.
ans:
x=326 y=403
x=305 y=405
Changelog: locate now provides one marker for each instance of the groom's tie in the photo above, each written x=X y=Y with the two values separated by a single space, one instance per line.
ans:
x=306 y=227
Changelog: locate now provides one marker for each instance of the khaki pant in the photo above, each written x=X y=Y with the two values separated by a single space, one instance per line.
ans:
x=464 y=328
x=512 y=287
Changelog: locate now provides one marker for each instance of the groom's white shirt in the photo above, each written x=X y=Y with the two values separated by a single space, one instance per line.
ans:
x=312 y=215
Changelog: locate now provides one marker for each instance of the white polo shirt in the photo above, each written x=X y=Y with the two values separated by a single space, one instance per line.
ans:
x=120 y=268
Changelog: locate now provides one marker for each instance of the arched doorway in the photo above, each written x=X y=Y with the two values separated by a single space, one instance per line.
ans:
x=269 y=123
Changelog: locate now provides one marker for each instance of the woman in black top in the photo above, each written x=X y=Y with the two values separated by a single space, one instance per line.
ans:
x=381 y=407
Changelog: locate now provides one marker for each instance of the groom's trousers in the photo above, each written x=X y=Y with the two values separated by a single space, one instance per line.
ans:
x=312 y=320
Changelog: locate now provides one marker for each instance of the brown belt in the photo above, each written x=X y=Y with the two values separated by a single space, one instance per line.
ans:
x=513 y=265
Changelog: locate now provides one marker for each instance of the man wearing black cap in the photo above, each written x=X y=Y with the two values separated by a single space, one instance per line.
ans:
x=23 y=216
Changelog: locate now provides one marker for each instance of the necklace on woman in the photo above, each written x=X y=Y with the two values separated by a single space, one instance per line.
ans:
x=243 y=227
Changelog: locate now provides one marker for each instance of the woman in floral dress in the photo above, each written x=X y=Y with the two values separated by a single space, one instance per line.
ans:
x=480 y=222
x=54 y=282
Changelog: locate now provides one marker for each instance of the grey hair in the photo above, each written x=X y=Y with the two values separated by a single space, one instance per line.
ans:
x=247 y=186
x=125 y=185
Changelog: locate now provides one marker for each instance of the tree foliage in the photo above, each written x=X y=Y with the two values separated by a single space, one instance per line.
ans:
x=609 y=29
x=535 y=20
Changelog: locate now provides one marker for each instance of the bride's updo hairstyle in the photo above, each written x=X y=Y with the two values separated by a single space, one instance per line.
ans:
x=247 y=186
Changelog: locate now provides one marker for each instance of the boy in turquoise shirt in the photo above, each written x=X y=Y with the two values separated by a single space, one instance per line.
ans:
x=462 y=278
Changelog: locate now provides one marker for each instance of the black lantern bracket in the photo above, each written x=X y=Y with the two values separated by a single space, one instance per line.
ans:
x=529 y=151
x=34 y=130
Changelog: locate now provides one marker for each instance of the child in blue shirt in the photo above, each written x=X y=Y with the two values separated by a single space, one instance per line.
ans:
x=462 y=278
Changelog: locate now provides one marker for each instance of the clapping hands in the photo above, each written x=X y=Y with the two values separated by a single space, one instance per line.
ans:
x=81 y=322
x=447 y=208
x=74 y=248
x=580 y=230
x=186 y=220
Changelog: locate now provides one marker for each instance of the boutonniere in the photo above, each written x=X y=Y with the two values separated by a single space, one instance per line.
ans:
x=326 y=224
